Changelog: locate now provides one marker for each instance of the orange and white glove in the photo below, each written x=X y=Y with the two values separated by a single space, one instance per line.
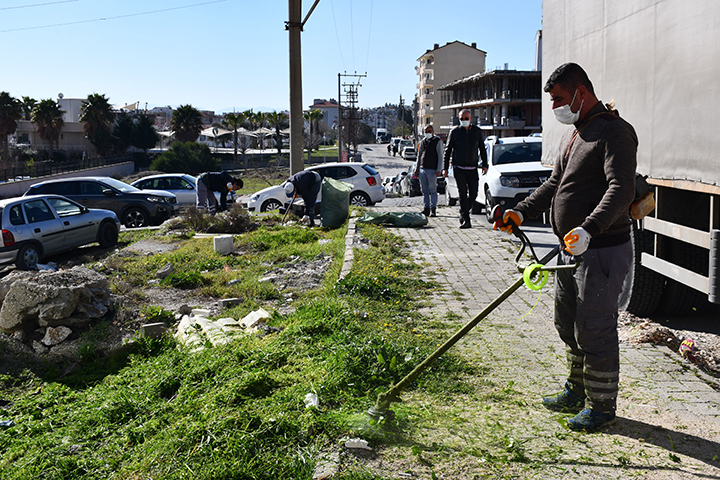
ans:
x=509 y=216
x=577 y=241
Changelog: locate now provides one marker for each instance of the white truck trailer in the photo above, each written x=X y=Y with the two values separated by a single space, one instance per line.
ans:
x=659 y=60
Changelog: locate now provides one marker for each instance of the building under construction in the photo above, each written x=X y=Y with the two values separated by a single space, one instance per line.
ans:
x=503 y=102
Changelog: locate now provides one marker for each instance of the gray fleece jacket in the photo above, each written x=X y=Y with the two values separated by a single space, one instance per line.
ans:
x=593 y=180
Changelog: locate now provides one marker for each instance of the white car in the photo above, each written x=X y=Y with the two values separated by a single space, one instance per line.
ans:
x=181 y=185
x=408 y=153
x=367 y=191
x=38 y=226
x=514 y=172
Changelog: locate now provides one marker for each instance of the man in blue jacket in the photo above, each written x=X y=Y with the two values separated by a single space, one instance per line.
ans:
x=466 y=148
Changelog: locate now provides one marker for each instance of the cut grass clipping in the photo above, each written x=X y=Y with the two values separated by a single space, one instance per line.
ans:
x=238 y=411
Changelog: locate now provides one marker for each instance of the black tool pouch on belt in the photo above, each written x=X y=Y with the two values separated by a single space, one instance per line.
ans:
x=644 y=198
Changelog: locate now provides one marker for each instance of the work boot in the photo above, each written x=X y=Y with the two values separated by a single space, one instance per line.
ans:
x=565 y=401
x=590 y=420
x=432 y=212
x=426 y=211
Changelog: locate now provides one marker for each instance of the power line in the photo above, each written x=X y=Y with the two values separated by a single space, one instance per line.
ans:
x=337 y=37
x=112 y=18
x=367 y=57
x=37 y=5
x=352 y=36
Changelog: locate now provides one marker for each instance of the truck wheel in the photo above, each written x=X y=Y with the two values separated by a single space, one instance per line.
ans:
x=678 y=299
x=643 y=288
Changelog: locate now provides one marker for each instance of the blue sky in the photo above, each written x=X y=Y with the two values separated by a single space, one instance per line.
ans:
x=233 y=54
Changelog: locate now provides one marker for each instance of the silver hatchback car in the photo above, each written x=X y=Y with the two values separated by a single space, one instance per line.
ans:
x=37 y=226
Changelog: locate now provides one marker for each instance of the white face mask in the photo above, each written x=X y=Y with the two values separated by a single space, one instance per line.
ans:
x=428 y=135
x=564 y=113
x=465 y=123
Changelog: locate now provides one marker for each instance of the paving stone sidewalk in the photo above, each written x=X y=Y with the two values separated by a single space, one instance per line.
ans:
x=668 y=410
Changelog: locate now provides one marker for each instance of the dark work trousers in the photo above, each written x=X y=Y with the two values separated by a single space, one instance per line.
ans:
x=586 y=313
x=467 y=184
x=310 y=197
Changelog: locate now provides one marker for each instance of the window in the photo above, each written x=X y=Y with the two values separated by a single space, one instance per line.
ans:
x=90 y=188
x=16 y=216
x=64 y=208
x=38 y=211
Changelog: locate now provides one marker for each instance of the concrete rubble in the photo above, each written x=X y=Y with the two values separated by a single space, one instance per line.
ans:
x=196 y=330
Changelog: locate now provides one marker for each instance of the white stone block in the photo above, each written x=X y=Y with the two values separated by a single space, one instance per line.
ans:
x=223 y=244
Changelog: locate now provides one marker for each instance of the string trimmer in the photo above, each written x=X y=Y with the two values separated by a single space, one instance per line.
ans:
x=534 y=276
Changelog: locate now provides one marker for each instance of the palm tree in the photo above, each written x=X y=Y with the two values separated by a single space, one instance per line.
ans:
x=258 y=119
x=278 y=120
x=10 y=113
x=97 y=115
x=313 y=117
x=48 y=117
x=186 y=123
x=28 y=103
x=233 y=121
x=122 y=132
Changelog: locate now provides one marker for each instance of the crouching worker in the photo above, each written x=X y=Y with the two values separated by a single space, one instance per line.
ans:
x=210 y=182
x=305 y=184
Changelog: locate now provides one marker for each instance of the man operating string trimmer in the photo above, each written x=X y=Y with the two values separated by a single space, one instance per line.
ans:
x=590 y=191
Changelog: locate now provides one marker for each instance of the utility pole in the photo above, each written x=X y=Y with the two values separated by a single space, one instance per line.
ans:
x=295 y=27
x=350 y=96
x=402 y=117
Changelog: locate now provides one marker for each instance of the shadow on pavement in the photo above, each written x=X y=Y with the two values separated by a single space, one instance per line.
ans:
x=673 y=441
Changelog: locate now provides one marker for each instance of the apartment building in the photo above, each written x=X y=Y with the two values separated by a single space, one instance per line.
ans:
x=505 y=102
x=442 y=66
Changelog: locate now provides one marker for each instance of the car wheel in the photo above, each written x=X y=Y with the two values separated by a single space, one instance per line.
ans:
x=28 y=257
x=135 y=218
x=270 y=204
x=359 y=199
x=489 y=204
x=108 y=236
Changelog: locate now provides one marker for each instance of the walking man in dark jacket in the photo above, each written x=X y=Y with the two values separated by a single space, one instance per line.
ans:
x=590 y=191
x=210 y=182
x=430 y=153
x=466 y=148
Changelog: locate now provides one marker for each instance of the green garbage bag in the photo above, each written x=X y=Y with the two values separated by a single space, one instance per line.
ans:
x=397 y=219
x=335 y=207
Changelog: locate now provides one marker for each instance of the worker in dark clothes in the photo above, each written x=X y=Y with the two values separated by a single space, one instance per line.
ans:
x=305 y=184
x=210 y=182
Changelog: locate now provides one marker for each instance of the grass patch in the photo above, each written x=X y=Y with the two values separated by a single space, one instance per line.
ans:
x=157 y=411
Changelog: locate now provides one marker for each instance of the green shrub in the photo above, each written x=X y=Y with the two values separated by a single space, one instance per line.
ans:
x=190 y=157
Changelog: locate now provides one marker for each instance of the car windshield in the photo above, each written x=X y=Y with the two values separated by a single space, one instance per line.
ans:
x=517 y=153
x=118 y=185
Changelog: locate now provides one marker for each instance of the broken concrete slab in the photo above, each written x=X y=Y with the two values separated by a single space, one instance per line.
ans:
x=230 y=302
x=153 y=330
x=253 y=318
